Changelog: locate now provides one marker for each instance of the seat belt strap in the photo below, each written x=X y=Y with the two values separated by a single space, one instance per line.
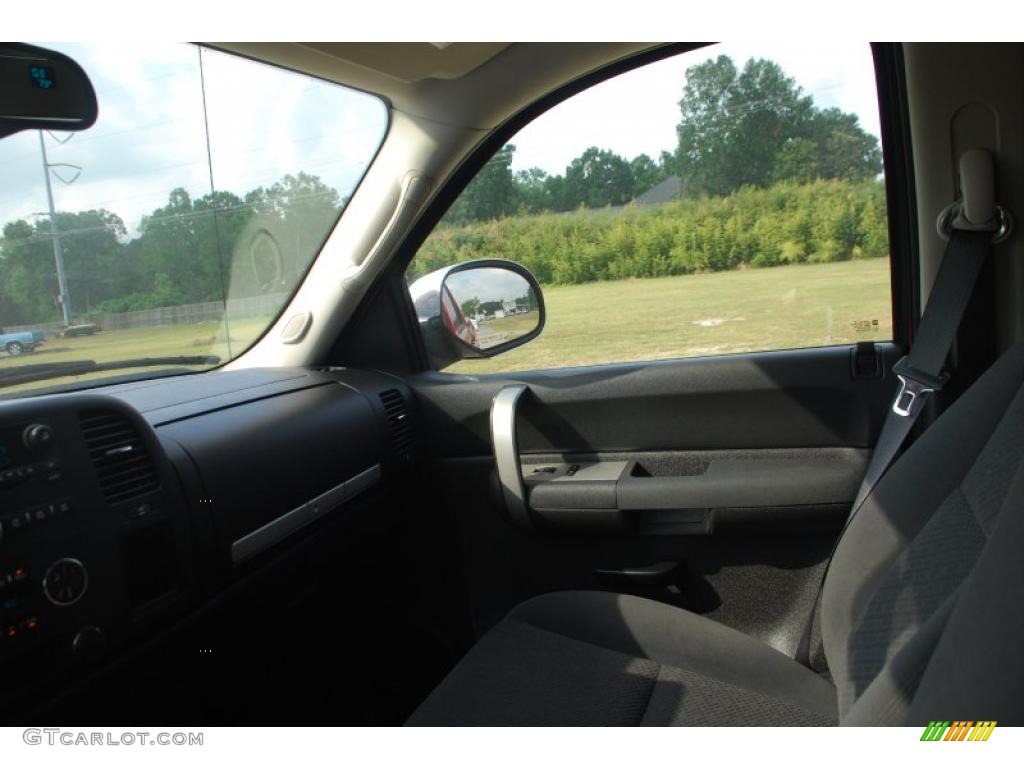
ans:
x=920 y=373
x=972 y=225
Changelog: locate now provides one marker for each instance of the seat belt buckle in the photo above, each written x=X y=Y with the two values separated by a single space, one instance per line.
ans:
x=914 y=385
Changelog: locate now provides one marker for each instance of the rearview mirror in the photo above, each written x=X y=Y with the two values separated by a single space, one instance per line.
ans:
x=43 y=89
x=477 y=309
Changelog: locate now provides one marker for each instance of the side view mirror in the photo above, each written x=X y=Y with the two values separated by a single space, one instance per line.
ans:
x=43 y=89
x=477 y=309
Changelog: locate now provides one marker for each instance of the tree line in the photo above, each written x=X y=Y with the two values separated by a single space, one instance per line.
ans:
x=187 y=251
x=738 y=127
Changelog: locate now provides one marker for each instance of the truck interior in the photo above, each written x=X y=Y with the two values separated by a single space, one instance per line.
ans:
x=331 y=528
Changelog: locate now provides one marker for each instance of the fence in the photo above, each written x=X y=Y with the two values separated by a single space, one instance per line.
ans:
x=186 y=314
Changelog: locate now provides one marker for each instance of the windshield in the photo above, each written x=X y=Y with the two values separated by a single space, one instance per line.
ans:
x=172 y=233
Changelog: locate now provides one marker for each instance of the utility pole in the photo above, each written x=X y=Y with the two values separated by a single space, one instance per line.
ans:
x=58 y=254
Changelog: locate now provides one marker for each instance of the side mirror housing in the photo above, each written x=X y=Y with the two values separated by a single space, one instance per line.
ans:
x=477 y=309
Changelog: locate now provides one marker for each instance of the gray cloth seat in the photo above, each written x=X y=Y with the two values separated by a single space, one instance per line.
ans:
x=597 y=658
x=920 y=614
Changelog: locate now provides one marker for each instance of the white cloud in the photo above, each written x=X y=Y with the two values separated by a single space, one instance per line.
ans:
x=150 y=136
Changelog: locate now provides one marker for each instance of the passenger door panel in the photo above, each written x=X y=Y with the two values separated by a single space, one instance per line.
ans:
x=735 y=473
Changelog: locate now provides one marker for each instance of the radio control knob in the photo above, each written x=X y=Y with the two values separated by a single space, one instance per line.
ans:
x=65 y=582
x=37 y=437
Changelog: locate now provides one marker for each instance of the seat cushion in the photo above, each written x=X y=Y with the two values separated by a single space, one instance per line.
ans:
x=597 y=658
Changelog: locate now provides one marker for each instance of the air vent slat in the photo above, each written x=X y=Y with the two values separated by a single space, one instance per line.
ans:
x=100 y=449
x=111 y=475
x=124 y=468
x=402 y=437
x=107 y=434
x=127 y=486
x=118 y=462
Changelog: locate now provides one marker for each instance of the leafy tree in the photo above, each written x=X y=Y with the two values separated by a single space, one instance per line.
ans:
x=845 y=151
x=756 y=126
x=797 y=160
x=598 y=178
x=295 y=215
x=491 y=194
x=29 y=277
x=558 y=194
x=646 y=173
x=532 y=191
x=92 y=253
x=735 y=122
x=180 y=248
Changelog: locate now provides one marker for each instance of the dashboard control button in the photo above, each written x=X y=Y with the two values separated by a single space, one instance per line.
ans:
x=50 y=471
x=89 y=643
x=37 y=437
x=10 y=632
x=11 y=477
x=65 y=582
x=31 y=623
x=145 y=509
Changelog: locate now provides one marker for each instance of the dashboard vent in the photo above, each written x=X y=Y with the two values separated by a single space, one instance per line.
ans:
x=123 y=465
x=399 y=423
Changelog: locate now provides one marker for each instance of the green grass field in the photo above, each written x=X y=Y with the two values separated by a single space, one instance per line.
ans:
x=165 y=341
x=803 y=305
x=754 y=309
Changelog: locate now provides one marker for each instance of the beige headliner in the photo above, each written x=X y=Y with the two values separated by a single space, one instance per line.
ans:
x=412 y=62
x=470 y=85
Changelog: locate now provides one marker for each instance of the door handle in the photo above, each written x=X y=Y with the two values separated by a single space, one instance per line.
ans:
x=506 y=453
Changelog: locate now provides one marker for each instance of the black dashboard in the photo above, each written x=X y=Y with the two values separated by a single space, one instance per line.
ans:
x=125 y=508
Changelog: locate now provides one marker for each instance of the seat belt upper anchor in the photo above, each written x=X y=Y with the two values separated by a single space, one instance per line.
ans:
x=913 y=384
x=976 y=209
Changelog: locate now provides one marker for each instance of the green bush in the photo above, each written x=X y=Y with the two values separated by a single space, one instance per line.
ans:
x=790 y=222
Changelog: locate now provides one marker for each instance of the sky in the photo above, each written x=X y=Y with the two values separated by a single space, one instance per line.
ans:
x=487 y=285
x=638 y=112
x=150 y=136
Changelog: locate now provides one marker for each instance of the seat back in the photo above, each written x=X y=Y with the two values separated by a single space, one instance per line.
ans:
x=905 y=564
